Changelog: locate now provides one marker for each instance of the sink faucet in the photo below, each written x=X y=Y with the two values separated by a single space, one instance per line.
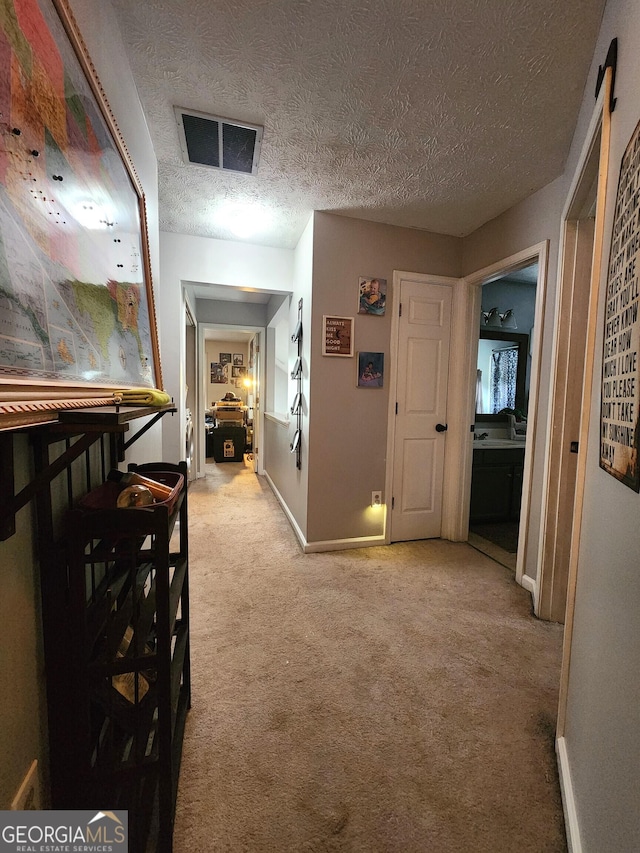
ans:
x=480 y=436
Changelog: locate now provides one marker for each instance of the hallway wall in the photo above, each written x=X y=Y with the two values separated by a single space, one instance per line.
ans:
x=348 y=434
x=602 y=764
x=603 y=713
x=290 y=482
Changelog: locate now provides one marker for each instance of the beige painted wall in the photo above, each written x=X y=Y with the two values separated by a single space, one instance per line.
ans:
x=348 y=434
x=280 y=464
x=216 y=391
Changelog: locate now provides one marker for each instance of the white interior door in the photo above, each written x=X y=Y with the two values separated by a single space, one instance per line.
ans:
x=421 y=409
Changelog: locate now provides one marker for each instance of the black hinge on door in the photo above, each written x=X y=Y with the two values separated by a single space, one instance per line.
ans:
x=400 y=311
x=393 y=502
x=396 y=408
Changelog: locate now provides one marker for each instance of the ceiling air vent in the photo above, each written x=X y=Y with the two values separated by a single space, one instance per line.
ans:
x=219 y=143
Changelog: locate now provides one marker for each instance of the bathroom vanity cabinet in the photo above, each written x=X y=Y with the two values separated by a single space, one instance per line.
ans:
x=496 y=483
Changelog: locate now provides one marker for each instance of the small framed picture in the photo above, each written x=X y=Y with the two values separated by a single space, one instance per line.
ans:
x=238 y=372
x=370 y=369
x=337 y=336
x=372 y=296
x=225 y=358
x=238 y=358
x=218 y=376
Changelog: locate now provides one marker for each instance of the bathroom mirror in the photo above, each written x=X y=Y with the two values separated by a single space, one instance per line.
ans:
x=502 y=371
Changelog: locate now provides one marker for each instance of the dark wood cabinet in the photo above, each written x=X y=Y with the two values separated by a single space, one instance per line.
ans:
x=114 y=591
x=496 y=484
x=126 y=627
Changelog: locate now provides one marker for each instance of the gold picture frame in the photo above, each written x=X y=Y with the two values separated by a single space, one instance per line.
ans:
x=77 y=313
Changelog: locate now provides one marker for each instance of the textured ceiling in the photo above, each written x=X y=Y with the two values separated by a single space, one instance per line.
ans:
x=433 y=114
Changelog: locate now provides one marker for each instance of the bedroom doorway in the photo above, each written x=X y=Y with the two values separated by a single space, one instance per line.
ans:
x=229 y=393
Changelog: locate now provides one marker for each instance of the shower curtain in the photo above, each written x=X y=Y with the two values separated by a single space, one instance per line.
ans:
x=504 y=367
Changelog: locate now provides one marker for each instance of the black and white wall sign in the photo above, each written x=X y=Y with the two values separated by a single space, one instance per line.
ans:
x=620 y=409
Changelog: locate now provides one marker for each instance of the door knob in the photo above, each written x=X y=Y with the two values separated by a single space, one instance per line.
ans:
x=442 y=427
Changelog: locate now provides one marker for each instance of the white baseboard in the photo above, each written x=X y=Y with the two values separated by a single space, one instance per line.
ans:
x=328 y=544
x=294 y=524
x=532 y=587
x=568 y=802
x=343 y=544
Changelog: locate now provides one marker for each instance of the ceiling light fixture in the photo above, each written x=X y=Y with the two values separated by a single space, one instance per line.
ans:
x=508 y=319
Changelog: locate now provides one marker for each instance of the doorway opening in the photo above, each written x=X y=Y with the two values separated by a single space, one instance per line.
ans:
x=503 y=380
x=229 y=387
x=232 y=329
x=531 y=495
x=190 y=390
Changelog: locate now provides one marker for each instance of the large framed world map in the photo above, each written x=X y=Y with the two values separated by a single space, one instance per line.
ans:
x=77 y=318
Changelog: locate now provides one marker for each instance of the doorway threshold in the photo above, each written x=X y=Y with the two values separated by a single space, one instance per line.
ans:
x=500 y=555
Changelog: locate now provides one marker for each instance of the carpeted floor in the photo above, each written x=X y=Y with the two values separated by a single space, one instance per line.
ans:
x=395 y=699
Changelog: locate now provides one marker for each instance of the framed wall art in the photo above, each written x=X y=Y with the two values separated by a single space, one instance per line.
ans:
x=337 y=336
x=77 y=318
x=370 y=369
x=218 y=373
x=372 y=296
x=620 y=382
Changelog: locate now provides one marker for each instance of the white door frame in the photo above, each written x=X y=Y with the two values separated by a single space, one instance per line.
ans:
x=602 y=117
x=575 y=253
x=201 y=371
x=474 y=283
x=452 y=457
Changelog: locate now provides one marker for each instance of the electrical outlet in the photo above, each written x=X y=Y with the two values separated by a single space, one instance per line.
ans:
x=376 y=498
x=28 y=796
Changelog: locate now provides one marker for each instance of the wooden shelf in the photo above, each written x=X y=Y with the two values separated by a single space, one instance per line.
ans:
x=107 y=416
x=89 y=425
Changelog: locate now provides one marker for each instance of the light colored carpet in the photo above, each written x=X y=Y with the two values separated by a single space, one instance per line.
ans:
x=395 y=699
